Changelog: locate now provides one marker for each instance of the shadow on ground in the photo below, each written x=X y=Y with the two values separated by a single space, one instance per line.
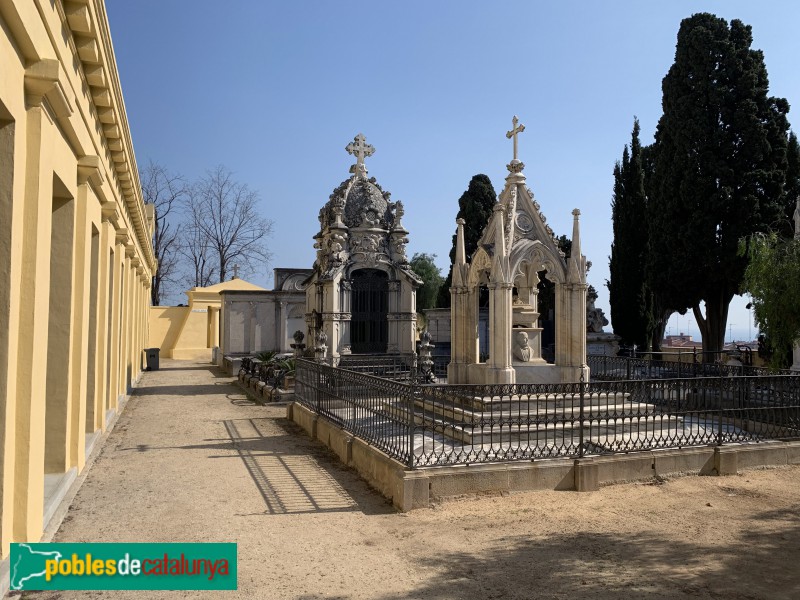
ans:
x=614 y=565
x=182 y=390
x=292 y=473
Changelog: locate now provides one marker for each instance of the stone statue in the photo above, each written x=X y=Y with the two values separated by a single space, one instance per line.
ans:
x=336 y=244
x=521 y=349
x=399 y=247
x=595 y=317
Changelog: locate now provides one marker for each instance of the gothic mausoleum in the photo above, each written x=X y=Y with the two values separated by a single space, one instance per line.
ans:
x=362 y=292
x=517 y=245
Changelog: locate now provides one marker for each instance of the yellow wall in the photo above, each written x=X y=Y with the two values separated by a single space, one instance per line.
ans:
x=190 y=332
x=166 y=323
x=75 y=255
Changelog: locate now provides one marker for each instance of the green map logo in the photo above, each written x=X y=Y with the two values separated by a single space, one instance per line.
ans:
x=123 y=566
x=28 y=564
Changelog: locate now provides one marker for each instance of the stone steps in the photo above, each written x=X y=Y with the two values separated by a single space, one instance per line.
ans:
x=534 y=411
x=514 y=402
x=539 y=423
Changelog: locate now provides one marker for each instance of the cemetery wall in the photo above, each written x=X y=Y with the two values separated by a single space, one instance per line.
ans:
x=76 y=260
x=191 y=332
x=166 y=325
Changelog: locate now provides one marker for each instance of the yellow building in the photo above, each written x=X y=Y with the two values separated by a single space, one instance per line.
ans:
x=192 y=331
x=76 y=260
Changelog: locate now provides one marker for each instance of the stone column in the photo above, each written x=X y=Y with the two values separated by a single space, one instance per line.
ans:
x=32 y=322
x=283 y=314
x=500 y=306
x=214 y=312
x=345 y=316
x=463 y=315
x=105 y=327
x=500 y=341
x=331 y=316
x=250 y=328
x=88 y=171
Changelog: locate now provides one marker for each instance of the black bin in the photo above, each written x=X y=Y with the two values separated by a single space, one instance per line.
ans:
x=152 y=358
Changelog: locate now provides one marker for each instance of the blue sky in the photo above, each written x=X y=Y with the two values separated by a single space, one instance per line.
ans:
x=275 y=90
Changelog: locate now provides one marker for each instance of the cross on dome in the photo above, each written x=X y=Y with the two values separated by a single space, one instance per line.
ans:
x=360 y=149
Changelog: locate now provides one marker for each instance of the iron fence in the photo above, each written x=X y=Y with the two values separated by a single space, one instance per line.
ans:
x=620 y=368
x=372 y=408
x=430 y=425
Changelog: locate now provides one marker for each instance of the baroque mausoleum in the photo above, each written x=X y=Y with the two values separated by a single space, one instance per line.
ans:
x=361 y=296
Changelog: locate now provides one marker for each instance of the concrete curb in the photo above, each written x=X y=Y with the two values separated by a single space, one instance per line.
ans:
x=409 y=489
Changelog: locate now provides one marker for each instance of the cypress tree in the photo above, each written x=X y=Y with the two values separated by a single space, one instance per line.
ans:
x=475 y=207
x=425 y=268
x=629 y=294
x=720 y=167
x=786 y=228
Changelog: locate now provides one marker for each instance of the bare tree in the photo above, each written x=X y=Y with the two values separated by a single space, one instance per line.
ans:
x=195 y=249
x=225 y=227
x=166 y=191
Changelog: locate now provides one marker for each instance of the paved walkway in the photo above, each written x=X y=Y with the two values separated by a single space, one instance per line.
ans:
x=192 y=460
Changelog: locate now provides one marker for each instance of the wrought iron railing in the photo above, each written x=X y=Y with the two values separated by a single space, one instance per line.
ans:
x=619 y=368
x=430 y=425
x=397 y=367
x=373 y=408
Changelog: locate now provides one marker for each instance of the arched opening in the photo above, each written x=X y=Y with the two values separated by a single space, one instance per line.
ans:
x=547 y=315
x=369 y=325
x=59 y=328
x=109 y=337
x=91 y=354
x=6 y=201
x=482 y=312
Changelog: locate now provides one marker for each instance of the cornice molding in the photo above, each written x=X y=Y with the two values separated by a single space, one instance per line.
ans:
x=88 y=22
x=89 y=171
x=43 y=80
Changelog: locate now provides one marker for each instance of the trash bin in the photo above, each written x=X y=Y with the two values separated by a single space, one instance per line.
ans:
x=152 y=358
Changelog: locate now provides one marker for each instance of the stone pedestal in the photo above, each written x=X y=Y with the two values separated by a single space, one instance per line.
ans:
x=523 y=315
x=606 y=344
x=796 y=357
x=534 y=343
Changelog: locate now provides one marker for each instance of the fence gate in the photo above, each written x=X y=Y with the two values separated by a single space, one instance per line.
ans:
x=369 y=326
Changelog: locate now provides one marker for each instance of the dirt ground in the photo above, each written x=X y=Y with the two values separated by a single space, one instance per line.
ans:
x=191 y=459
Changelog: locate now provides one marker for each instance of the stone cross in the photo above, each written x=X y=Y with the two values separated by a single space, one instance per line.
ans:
x=516 y=129
x=236 y=271
x=360 y=149
x=797 y=220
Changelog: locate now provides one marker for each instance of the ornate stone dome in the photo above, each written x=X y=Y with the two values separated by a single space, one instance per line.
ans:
x=365 y=205
x=362 y=202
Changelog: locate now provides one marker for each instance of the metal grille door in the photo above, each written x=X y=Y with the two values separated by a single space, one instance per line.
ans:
x=369 y=327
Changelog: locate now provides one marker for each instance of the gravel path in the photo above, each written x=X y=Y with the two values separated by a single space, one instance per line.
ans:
x=191 y=459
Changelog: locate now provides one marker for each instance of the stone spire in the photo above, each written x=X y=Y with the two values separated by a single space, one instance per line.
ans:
x=576 y=269
x=460 y=265
x=360 y=149
x=501 y=272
